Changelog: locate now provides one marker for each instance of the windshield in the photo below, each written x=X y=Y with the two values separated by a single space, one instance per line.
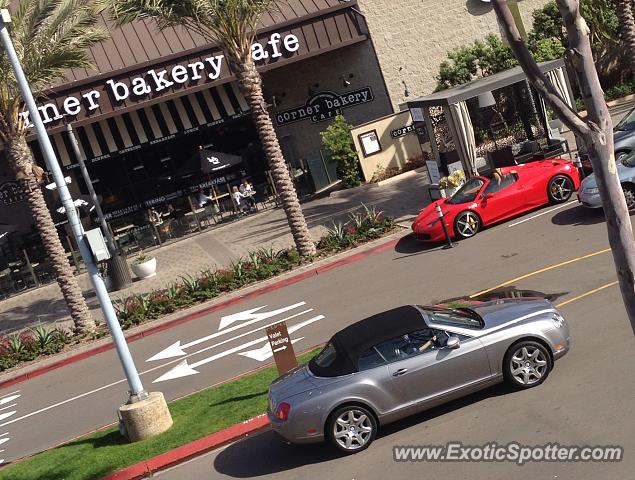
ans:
x=627 y=123
x=467 y=193
x=629 y=160
x=454 y=317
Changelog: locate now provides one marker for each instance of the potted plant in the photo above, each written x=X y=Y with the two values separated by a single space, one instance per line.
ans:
x=144 y=266
x=450 y=184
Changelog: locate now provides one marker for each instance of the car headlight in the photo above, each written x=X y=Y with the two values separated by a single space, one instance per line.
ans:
x=558 y=320
x=592 y=190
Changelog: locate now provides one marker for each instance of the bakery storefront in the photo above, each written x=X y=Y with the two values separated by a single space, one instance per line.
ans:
x=156 y=109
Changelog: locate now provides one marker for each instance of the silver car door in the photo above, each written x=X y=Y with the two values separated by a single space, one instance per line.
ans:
x=423 y=377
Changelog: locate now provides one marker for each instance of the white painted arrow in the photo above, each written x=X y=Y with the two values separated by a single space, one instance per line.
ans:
x=184 y=369
x=263 y=353
x=177 y=350
x=7 y=414
x=9 y=398
x=252 y=315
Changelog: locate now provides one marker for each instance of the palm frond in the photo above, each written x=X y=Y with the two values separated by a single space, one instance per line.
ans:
x=50 y=37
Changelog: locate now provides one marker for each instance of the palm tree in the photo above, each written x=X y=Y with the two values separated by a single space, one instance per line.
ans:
x=50 y=36
x=624 y=11
x=232 y=24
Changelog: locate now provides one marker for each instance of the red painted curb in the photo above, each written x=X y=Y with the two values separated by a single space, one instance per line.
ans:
x=190 y=450
x=193 y=316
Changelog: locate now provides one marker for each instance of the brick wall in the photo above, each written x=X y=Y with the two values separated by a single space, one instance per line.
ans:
x=412 y=37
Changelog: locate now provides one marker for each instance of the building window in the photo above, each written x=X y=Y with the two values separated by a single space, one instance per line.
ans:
x=370 y=143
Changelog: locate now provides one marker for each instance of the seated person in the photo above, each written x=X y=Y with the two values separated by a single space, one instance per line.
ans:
x=501 y=177
x=204 y=198
x=154 y=217
x=243 y=200
x=247 y=189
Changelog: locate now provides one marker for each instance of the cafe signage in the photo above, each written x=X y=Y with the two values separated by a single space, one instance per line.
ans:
x=325 y=106
x=10 y=193
x=156 y=81
x=400 y=132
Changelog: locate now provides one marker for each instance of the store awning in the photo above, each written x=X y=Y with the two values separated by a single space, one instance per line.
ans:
x=153 y=124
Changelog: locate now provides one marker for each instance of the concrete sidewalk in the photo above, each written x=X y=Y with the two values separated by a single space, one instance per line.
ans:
x=400 y=197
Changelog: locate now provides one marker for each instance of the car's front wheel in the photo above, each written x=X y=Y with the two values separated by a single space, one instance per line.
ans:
x=560 y=189
x=527 y=364
x=351 y=429
x=629 y=196
x=467 y=224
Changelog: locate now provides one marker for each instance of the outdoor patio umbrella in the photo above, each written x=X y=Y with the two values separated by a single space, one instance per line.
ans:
x=212 y=162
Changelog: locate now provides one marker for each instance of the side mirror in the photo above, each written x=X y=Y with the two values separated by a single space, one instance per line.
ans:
x=453 y=342
x=487 y=196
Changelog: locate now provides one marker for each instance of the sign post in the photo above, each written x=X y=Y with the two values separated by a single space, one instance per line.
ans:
x=281 y=346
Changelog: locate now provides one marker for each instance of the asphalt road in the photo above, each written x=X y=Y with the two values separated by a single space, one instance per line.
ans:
x=81 y=397
x=587 y=400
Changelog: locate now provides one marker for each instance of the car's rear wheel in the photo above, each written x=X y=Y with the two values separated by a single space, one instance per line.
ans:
x=351 y=428
x=467 y=224
x=560 y=189
x=629 y=196
x=527 y=364
x=619 y=156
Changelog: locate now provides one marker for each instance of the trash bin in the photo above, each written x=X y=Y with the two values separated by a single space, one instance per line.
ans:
x=118 y=271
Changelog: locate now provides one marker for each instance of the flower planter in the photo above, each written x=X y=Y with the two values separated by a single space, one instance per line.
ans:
x=145 y=269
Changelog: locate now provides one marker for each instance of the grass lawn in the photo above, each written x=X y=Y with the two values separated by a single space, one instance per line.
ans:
x=195 y=416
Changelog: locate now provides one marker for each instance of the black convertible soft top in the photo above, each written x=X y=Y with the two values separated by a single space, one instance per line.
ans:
x=355 y=339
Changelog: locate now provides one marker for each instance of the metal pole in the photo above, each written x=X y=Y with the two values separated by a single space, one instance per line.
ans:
x=136 y=391
x=117 y=266
x=448 y=240
x=112 y=246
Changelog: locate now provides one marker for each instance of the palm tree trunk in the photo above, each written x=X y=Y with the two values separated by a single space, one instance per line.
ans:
x=596 y=130
x=627 y=29
x=250 y=85
x=21 y=162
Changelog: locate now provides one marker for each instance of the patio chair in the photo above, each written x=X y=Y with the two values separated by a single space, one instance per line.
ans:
x=502 y=158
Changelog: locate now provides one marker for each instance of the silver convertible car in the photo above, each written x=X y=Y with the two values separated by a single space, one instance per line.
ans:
x=589 y=193
x=411 y=358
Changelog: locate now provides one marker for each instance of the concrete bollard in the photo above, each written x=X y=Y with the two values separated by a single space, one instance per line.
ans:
x=146 y=418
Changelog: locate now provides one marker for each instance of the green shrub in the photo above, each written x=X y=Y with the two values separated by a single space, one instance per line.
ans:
x=337 y=140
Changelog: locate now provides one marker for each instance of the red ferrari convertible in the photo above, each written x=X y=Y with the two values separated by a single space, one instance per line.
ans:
x=482 y=201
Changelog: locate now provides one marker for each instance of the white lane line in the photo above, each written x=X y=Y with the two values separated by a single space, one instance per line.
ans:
x=541 y=214
x=9 y=406
x=96 y=390
x=4 y=400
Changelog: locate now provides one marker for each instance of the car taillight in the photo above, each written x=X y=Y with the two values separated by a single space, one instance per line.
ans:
x=282 y=412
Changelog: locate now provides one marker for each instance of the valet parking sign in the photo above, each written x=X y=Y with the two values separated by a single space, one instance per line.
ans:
x=282 y=348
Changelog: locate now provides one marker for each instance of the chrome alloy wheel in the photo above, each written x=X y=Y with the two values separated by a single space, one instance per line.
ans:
x=467 y=224
x=629 y=196
x=352 y=429
x=561 y=189
x=528 y=365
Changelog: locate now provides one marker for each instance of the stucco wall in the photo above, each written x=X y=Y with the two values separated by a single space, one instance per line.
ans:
x=413 y=37
x=395 y=151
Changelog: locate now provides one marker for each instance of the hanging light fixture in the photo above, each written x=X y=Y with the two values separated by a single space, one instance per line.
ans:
x=486 y=100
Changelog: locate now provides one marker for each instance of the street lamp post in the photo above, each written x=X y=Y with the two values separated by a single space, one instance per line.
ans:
x=117 y=265
x=137 y=393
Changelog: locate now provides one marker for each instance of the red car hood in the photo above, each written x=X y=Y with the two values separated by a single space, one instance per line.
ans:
x=429 y=213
